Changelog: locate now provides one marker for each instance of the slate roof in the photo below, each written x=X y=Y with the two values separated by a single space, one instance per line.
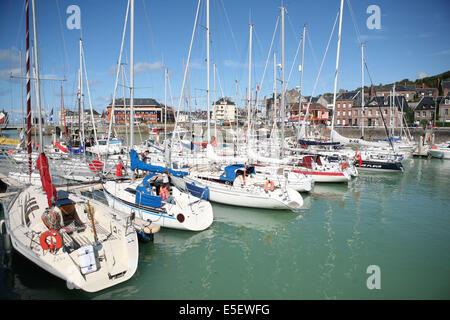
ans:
x=427 y=103
x=350 y=95
x=399 y=102
x=138 y=102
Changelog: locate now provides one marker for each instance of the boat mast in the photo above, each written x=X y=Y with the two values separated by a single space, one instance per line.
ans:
x=283 y=98
x=207 y=73
x=337 y=68
x=274 y=111
x=28 y=90
x=301 y=80
x=132 y=80
x=249 y=91
x=38 y=95
x=362 y=90
x=165 y=104
x=214 y=103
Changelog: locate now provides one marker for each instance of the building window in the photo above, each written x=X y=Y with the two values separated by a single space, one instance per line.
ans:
x=343 y=113
x=424 y=113
x=349 y=113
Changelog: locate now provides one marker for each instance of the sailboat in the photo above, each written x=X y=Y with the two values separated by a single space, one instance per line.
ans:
x=239 y=185
x=77 y=239
x=143 y=196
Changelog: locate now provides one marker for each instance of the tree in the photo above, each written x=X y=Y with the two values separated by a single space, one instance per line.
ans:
x=424 y=123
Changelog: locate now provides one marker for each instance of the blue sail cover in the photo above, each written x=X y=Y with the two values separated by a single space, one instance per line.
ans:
x=136 y=163
x=230 y=171
x=79 y=150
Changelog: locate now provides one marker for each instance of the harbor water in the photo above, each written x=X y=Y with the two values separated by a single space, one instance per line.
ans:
x=396 y=224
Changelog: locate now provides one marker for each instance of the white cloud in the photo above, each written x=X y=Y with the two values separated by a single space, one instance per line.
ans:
x=421 y=75
x=11 y=55
x=148 y=67
x=441 y=53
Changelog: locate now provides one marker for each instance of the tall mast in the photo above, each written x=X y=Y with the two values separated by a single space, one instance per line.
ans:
x=337 y=68
x=81 y=114
x=214 y=99
x=207 y=73
x=38 y=95
x=362 y=90
x=283 y=100
x=301 y=79
x=165 y=104
x=274 y=89
x=28 y=90
x=132 y=80
x=249 y=90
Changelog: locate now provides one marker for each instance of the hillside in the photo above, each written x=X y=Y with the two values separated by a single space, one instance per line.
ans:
x=430 y=82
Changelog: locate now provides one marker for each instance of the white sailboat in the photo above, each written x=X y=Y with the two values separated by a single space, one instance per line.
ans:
x=75 y=238
x=238 y=185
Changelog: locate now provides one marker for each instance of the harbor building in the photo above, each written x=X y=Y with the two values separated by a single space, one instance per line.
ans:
x=146 y=110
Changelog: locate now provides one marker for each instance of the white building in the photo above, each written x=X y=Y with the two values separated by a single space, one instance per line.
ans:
x=224 y=110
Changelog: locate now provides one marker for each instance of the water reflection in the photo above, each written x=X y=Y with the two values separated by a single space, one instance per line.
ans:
x=258 y=219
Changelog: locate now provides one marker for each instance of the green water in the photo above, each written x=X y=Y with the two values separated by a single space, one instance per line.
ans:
x=398 y=222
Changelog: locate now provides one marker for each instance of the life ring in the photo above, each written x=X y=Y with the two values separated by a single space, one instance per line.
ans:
x=55 y=240
x=272 y=185
x=344 y=166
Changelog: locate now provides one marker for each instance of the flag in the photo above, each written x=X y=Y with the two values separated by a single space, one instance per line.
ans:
x=51 y=116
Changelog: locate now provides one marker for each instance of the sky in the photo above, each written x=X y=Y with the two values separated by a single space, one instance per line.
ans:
x=403 y=39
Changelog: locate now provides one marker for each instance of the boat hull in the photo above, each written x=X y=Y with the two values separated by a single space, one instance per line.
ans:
x=194 y=215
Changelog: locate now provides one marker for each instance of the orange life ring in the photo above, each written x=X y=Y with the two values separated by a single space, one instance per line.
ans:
x=272 y=185
x=55 y=240
x=344 y=166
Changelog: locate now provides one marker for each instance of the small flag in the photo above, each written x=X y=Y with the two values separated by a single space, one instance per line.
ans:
x=51 y=116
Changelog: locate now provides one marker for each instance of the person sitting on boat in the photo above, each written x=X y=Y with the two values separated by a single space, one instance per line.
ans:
x=164 y=193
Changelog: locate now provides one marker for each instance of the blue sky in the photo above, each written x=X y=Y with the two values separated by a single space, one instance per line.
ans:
x=413 y=42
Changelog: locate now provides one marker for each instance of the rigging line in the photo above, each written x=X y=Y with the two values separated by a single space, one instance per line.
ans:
x=320 y=70
x=21 y=22
x=358 y=35
x=147 y=19
x=187 y=63
x=231 y=30
x=293 y=63
x=268 y=55
x=66 y=57
x=312 y=49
